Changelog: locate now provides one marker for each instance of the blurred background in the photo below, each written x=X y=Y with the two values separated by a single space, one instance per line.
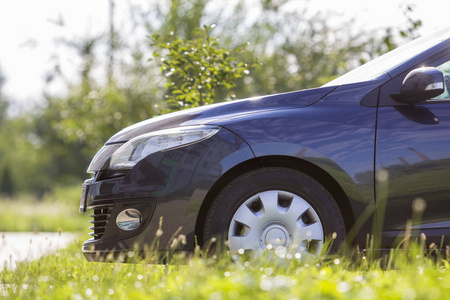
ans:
x=73 y=73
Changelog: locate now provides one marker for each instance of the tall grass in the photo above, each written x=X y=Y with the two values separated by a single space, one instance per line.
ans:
x=416 y=273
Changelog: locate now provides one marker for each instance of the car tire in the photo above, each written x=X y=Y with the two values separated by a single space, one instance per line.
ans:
x=276 y=206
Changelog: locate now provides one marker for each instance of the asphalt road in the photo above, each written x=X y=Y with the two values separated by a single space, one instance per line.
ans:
x=19 y=246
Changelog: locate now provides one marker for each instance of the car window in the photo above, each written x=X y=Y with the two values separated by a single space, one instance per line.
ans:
x=383 y=64
x=445 y=69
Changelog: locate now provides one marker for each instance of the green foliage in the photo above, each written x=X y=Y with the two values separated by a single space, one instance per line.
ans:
x=6 y=183
x=3 y=101
x=310 y=57
x=72 y=128
x=75 y=127
x=395 y=37
x=183 y=18
x=22 y=153
x=92 y=115
x=296 y=48
x=198 y=71
x=3 y=109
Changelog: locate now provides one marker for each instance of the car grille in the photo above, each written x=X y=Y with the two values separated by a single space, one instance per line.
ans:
x=101 y=215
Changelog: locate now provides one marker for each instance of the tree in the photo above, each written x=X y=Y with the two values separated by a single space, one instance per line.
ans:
x=198 y=71
x=396 y=37
x=3 y=101
x=6 y=182
x=184 y=18
x=297 y=49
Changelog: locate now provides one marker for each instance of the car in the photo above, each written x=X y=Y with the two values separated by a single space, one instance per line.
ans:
x=286 y=170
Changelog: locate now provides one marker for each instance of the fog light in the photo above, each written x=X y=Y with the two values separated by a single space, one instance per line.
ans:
x=129 y=219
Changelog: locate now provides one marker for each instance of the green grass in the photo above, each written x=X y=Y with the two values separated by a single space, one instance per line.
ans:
x=67 y=275
x=416 y=273
x=56 y=211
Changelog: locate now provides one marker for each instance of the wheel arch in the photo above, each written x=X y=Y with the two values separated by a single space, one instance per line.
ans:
x=289 y=162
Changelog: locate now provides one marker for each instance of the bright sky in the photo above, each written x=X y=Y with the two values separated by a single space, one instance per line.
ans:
x=29 y=32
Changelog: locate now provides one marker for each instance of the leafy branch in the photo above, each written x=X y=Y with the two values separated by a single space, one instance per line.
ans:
x=198 y=71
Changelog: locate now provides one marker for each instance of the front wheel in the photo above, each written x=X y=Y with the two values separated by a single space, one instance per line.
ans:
x=272 y=207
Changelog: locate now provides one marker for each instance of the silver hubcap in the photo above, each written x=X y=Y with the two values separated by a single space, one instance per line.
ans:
x=276 y=218
x=275 y=234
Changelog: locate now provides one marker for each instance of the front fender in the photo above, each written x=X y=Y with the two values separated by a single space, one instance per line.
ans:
x=339 y=139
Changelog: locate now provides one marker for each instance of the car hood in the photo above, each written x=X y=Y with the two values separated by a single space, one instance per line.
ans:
x=209 y=113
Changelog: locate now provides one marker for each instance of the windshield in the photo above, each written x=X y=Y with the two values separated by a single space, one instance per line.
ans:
x=383 y=64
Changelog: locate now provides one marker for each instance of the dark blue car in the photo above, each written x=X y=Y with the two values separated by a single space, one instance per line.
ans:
x=286 y=170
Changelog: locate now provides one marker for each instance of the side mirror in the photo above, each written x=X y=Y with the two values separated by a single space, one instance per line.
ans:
x=419 y=85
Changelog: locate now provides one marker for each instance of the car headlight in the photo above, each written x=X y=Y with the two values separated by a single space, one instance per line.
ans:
x=130 y=153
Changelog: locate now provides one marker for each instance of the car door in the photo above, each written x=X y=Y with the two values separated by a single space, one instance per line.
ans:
x=413 y=145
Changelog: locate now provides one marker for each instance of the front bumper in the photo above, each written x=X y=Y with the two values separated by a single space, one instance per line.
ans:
x=168 y=189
